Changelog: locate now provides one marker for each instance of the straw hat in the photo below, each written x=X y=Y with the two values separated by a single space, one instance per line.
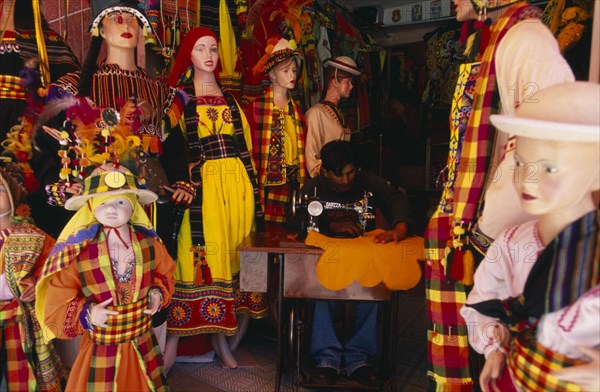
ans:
x=344 y=63
x=563 y=112
x=109 y=180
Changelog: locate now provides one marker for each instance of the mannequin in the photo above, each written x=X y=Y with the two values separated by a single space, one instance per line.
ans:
x=509 y=58
x=207 y=299
x=118 y=83
x=557 y=170
x=279 y=134
x=23 y=250
x=324 y=120
x=113 y=277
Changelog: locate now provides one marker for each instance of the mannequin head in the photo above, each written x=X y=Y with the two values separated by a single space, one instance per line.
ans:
x=284 y=74
x=557 y=151
x=339 y=76
x=120 y=29
x=205 y=55
x=113 y=211
x=12 y=191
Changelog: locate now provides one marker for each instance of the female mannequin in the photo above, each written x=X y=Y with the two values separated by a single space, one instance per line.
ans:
x=23 y=251
x=207 y=298
x=324 y=120
x=278 y=137
x=106 y=276
x=557 y=169
x=510 y=57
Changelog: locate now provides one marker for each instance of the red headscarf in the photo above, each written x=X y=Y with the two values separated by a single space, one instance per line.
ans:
x=184 y=54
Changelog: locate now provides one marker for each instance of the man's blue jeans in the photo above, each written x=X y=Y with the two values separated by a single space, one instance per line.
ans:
x=326 y=349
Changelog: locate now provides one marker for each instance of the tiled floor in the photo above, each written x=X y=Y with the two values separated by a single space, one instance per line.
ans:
x=411 y=358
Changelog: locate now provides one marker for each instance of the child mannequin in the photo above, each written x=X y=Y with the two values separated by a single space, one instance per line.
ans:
x=106 y=276
x=557 y=169
x=26 y=361
x=279 y=134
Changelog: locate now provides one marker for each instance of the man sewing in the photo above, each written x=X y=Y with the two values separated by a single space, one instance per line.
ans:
x=341 y=181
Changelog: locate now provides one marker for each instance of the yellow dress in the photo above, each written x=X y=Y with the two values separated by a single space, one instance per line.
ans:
x=228 y=211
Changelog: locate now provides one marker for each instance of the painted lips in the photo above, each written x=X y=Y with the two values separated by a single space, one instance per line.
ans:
x=527 y=196
x=127 y=35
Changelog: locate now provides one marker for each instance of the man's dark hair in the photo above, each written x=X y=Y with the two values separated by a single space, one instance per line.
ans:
x=336 y=155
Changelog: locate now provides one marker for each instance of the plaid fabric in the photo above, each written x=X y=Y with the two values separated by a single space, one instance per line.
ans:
x=129 y=324
x=11 y=87
x=98 y=284
x=471 y=141
x=25 y=248
x=530 y=365
x=200 y=150
x=18 y=370
x=260 y=115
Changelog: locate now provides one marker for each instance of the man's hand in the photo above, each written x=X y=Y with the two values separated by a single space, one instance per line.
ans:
x=492 y=371
x=346 y=227
x=397 y=234
x=587 y=375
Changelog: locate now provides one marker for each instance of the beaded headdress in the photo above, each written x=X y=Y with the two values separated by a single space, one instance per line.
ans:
x=101 y=8
x=278 y=50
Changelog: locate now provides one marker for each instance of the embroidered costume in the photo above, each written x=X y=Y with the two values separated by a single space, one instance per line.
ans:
x=79 y=274
x=479 y=164
x=278 y=147
x=543 y=295
x=324 y=123
x=27 y=362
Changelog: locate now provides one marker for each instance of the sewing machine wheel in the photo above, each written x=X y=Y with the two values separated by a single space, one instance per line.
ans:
x=315 y=208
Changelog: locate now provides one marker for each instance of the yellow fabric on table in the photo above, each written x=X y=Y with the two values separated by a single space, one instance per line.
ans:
x=362 y=260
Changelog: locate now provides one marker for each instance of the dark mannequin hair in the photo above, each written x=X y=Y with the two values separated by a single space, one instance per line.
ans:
x=23 y=15
x=90 y=66
x=336 y=155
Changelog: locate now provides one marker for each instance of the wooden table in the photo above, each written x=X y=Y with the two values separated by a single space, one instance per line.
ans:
x=296 y=263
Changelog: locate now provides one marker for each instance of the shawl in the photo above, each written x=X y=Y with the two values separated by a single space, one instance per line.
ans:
x=471 y=143
x=261 y=118
x=24 y=249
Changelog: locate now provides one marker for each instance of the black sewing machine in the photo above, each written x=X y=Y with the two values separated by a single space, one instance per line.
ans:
x=314 y=207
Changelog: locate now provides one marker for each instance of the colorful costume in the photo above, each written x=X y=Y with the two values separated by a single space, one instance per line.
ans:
x=547 y=296
x=278 y=147
x=479 y=167
x=79 y=273
x=27 y=362
x=207 y=293
x=324 y=123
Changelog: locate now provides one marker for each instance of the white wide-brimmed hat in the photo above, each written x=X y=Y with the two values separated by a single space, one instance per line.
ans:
x=109 y=179
x=344 y=63
x=563 y=112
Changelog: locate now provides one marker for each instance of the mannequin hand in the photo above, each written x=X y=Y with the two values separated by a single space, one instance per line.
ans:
x=396 y=235
x=146 y=110
x=27 y=291
x=346 y=227
x=75 y=188
x=99 y=314
x=155 y=301
x=492 y=371
x=587 y=375
x=194 y=167
x=182 y=197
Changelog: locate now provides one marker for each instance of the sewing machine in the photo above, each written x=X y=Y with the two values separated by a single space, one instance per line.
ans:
x=315 y=207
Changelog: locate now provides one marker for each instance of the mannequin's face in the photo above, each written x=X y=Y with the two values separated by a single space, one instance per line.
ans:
x=121 y=30
x=284 y=74
x=343 y=86
x=4 y=201
x=553 y=176
x=114 y=212
x=205 y=54
x=464 y=10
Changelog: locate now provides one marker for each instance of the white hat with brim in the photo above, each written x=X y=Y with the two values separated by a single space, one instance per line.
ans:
x=567 y=112
x=106 y=181
x=344 y=63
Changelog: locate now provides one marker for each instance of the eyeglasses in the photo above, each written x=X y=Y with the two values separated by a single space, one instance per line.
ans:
x=123 y=18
